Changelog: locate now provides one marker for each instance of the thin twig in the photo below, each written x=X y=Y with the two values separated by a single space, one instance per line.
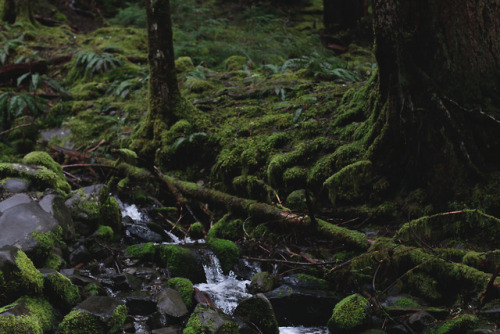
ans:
x=16 y=127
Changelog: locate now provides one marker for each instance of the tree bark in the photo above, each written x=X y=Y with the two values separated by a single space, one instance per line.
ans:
x=435 y=112
x=165 y=101
x=18 y=11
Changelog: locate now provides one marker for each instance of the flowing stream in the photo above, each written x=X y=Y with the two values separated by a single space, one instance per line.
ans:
x=226 y=291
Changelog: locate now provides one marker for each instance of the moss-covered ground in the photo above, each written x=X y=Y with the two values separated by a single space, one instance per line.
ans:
x=279 y=118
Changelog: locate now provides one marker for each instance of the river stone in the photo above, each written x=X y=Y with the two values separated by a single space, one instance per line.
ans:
x=297 y=306
x=140 y=233
x=95 y=314
x=13 y=201
x=55 y=206
x=15 y=185
x=17 y=224
x=257 y=310
x=207 y=319
x=170 y=303
x=139 y=302
x=261 y=282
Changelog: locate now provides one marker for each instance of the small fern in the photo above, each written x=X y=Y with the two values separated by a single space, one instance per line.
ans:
x=14 y=105
x=9 y=45
x=92 y=63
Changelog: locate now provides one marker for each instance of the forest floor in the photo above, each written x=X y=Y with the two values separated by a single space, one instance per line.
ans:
x=278 y=121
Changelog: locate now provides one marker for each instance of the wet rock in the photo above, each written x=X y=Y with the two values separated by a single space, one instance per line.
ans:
x=59 y=289
x=95 y=315
x=27 y=315
x=166 y=330
x=206 y=319
x=79 y=255
x=125 y=282
x=258 y=311
x=140 y=233
x=139 y=302
x=18 y=275
x=420 y=320
x=305 y=281
x=261 y=282
x=170 y=304
x=15 y=185
x=13 y=201
x=182 y=262
x=55 y=206
x=297 y=306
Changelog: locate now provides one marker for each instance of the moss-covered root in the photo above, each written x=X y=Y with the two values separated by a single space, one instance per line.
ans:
x=343 y=235
x=237 y=205
x=349 y=315
x=27 y=316
x=97 y=315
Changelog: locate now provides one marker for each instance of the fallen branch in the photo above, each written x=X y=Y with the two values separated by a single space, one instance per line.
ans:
x=233 y=203
x=293 y=262
x=13 y=71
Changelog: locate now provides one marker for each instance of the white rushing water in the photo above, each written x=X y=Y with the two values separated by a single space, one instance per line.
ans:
x=303 y=330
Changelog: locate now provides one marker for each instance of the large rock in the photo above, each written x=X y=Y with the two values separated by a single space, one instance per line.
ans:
x=97 y=315
x=350 y=315
x=299 y=306
x=207 y=319
x=27 y=315
x=258 y=311
x=170 y=304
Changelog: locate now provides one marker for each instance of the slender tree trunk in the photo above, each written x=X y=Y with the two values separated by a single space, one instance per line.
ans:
x=164 y=101
x=435 y=115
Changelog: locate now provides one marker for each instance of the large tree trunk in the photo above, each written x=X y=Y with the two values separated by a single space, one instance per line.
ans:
x=434 y=115
x=164 y=95
x=18 y=11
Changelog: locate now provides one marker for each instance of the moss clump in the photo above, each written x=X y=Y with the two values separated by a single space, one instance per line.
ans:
x=425 y=286
x=296 y=200
x=348 y=184
x=60 y=290
x=47 y=242
x=109 y=210
x=38 y=158
x=261 y=282
x=81 y=322
x=198 y=86
x=351 y=238
x=185 y=288
x=30 y=278
x=179 y=261
x=36 y=318
x=182 y=64
x=258 y=311
x=460 y=324
x=53 y=261
x=105 y=232
x=226 y=251
x=227 y=228
x=196 y=231
x=141 y=251
x=205 y=320
x=235 y=63
x=349 y=315
x=405 y=302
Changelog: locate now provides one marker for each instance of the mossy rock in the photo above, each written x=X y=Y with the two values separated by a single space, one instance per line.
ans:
x=60 y=290
x=258 y=311
x=198 y=86
x=235 y=63
x=39 y=176
x=141 y=251
x=27 y=315
x=349 y=315
x=18 y=275
x=181 y=262
x=227 y=228
x=197 y=231
x=185 y=288
x=99 y=315
x=460 y=324
x=38 y=158
x=105 y=232
x=206 y=319
x=296 y=200
x=227 y=252
x=261 y=282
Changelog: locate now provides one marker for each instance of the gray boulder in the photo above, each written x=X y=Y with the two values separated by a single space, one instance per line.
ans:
x=170 y=304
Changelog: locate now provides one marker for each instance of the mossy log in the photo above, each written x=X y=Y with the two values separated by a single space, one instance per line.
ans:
x=13 y=71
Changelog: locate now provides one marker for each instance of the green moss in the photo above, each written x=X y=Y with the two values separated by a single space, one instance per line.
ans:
x=109 y=210
x=141 y=251
x=60 y=290
x=226 y=251
x=182 y=64
x=185 y=288
x=351 y=238
x=30 y=278
x=296 y=200
x=198 y=86
x=117 y=319
x=261 y=282
x=196 y=231
x=350 y=182
x=41 y=177
x=405 y=302
x=318 y=282
x=38 y=318
x=127 y=155
x=79 y=322
x=179 y=261
x=105 y=232
x=92 y=289
x=460 y=324
x=349 y=315
x=206 y=325
x=295 y=177
x=235 y=63
x=38 y=158
x=53 y=261
x=227 y=228
x=47 y=242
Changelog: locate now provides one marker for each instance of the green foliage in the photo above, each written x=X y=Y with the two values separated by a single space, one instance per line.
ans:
x=91 y=63
x=10 y=44
x=131 y=16
x=16 y=104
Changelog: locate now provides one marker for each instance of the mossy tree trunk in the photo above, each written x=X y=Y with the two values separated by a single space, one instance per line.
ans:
x=18 y=11
x=164 y=96
x=435 y=105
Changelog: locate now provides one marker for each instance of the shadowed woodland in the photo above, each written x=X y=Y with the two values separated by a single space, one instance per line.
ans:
x=349 y=149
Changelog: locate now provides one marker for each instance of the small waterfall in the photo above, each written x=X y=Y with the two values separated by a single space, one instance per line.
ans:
x=226 y=291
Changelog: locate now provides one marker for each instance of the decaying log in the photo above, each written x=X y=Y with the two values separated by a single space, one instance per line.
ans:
x=13 y=71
